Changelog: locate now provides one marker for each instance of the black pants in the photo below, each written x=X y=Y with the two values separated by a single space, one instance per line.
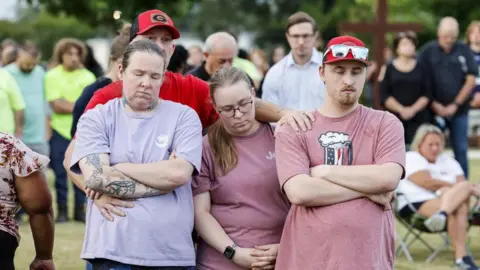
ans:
x=58 y=147
x=8 y=245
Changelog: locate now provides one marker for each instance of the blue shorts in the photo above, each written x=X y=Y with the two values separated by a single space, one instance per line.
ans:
x=102 y=264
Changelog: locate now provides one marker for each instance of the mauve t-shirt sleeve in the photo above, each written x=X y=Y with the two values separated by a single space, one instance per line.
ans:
x=390 y=146
x=202 y=182
x=187 y=140
x=91 y=136
x=290 y=153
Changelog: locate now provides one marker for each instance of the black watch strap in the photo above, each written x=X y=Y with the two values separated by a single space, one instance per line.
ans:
x=230 y=251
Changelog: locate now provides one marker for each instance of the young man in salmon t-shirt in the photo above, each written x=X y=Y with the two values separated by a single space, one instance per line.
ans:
x=341 y=174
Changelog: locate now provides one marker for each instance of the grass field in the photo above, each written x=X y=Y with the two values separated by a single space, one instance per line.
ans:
x=69 y=239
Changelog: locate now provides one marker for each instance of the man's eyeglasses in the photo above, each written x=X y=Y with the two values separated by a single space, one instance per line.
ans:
x=243 y=108
x=305 y=37
x=341 y=51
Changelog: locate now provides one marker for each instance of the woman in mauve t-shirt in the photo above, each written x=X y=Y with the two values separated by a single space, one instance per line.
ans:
x=239 y=207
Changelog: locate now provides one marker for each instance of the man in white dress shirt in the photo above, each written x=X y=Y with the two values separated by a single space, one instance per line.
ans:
x=294 y=82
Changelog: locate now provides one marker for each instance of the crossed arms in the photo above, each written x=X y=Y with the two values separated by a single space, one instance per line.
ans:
x=328 y=184
x=131 y=181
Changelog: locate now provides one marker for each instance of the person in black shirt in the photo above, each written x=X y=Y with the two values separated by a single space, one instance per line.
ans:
x=405 y=90
x=220 y=50
x=452 y=70
x=117 y=48
x=473 y=40
x=92 y=64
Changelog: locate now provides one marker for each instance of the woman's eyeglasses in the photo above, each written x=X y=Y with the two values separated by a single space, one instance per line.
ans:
x=243 y=108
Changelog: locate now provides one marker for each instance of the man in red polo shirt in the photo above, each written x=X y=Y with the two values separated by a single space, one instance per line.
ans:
x=189 y=90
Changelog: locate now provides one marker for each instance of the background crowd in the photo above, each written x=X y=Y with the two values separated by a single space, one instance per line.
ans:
x=435 y=83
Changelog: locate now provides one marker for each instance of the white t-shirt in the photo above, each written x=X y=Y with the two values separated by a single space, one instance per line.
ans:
x=445 y=168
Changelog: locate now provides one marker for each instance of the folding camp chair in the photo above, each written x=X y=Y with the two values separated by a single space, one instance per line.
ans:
x=415 y=230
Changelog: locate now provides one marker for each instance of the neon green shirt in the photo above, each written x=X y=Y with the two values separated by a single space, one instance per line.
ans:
x=247 y=67
x=11 y=100
x=67 y=85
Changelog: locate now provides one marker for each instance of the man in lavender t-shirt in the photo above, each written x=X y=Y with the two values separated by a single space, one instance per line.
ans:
x=341 y=174
x=157 y=230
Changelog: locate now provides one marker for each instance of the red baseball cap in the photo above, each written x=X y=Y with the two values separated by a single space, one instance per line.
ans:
x=348 y=41
x=150 y=19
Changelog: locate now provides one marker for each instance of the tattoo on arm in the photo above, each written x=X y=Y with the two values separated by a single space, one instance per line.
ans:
x=94 y=160
x=258 y=102
x=110 y=181
x=119 y=185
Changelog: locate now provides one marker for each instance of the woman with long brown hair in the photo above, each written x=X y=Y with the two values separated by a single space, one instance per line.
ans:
x=239 y=207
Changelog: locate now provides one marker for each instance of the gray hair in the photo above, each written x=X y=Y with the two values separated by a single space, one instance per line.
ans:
x=219 y=39
x=422 y=132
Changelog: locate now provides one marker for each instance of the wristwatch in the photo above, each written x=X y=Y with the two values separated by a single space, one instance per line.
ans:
x=230 y=251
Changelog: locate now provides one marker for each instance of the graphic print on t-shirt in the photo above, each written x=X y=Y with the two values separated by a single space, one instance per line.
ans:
x=337 y=147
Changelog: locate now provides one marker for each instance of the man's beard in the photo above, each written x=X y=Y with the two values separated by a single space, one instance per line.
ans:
x=348 y=100
x=26 y=71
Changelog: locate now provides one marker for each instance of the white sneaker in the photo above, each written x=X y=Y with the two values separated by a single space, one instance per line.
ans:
x=436 y=223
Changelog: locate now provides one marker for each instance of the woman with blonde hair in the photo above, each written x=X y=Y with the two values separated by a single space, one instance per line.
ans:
x=436 y=187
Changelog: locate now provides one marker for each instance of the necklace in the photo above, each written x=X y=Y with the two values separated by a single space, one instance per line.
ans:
x=151 y=108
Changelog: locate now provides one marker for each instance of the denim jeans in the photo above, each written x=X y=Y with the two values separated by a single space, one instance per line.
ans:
x=458 y=127
x=58 y=146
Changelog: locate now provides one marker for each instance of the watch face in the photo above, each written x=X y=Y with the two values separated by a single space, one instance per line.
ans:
x=229 y=252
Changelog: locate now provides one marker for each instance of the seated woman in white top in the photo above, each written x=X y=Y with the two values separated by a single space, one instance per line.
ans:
x=435 y=185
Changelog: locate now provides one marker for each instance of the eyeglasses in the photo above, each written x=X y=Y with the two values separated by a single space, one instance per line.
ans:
x=305 y=37
x=341 y=51
x=243 y=108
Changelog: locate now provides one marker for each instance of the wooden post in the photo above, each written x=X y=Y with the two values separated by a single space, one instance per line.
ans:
x=379 y=28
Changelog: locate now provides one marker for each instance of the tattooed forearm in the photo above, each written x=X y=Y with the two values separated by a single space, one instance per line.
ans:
x=258 y=102
x=94 y=160
x=116 y=184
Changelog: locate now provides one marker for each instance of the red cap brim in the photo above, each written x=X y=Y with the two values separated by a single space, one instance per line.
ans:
x=367 y=63
x=173 y=30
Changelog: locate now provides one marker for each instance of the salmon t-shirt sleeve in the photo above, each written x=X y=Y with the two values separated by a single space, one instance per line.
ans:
x=203 y=181
x=291 y=154
x=390 y=146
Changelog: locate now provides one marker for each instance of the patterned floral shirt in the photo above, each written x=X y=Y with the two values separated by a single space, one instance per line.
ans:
x=16 y=160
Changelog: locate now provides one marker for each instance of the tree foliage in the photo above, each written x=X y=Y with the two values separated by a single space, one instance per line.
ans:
x=100 y=12
x=45 y=30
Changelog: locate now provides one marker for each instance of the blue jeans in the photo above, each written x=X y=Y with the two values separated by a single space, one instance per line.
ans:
x=58 y=146
x=458 y=126
x=102 y=264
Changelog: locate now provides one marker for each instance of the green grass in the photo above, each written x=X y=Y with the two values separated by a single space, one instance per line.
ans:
x=69 y=240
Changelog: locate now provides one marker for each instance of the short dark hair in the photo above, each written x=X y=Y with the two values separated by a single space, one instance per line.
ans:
x=31 y=48
x=408 y=35
x=144 y=45
x=301 y=17
x=178 y=61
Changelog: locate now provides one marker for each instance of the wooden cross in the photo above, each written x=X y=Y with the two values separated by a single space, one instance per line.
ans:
x=379 y=28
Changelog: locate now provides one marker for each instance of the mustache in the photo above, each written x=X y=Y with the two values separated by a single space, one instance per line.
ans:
x=349 y=88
